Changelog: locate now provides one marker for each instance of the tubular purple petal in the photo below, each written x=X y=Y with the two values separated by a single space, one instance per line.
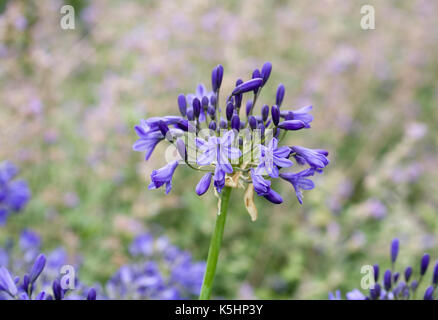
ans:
x=266 y=71
x=292 y=125
x=275 y=114
x=280 y=95
x=182 y=104
x=204 y=184
x=249 y=85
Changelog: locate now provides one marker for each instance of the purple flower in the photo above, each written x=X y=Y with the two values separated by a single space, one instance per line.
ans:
x=37 y=268
x=272 y=157
x=336 y=296
x=266 y=71
x=163 y=176
x=355 y=295
x=428 y=295
x=280 y=95
x=435 y=275
x=6 y=282
x=299 y=181
x=143 y=245
x=204 y=184
x=301 y=114
x=394 y=249
x=275 y=113
x=217 y=150
x=263 y=188
x=29 y=240
x=201 y=92
x=147 y=140
x=216 y=77
x=424 y=264
x=387 y=280
x=292 y=125
x=408 y=273
x=249 y=85
x=316 y=158
x=14 y=194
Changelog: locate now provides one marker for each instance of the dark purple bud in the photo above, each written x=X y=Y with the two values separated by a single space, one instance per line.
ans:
x=220 y=74
x=428 y=295
x=275 y=113
x=277 y=133
x=238 y=98
x=424 y=263
x=223 y=124
x=58 y=293
x=214 y=79
x=387 y=280
x=211 y=112
x=394 y=249
x=37 y=268
x=204 y=102
x=375 y=293
x=265 y=112
x=249 y=85
x=435 y=275
x=256 y=74
x=408 y=273
x=182 y=105
x=190 y=114
x=252 y=122
x=212 y=125
x=229 y=111
x=266 y=71
x=261 y=127
x=248 y=107
x=235 y=122
x=41 y=296
x=26 y=283
x=181 y=148
x=414 y=285
x=395 y=277
x=204 y=184
x=196 y=107
x=376 y=272
x=273 y=197
x=213 y=100
x=91 y=294
x=292 y=125
x=280 y=95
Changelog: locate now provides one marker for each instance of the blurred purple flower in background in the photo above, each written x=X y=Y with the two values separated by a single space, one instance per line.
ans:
x=14 y=194
x=160 y=271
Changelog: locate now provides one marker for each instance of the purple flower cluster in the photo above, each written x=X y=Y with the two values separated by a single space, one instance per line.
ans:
x=14 y=194
x=397 y=285
x=41 y=278
x=161 y=271
x=236 y=148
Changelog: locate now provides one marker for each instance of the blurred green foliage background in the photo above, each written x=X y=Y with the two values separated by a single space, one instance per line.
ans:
x=69 y=100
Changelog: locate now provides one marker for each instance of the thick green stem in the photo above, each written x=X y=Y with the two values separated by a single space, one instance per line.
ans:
x=215 y=245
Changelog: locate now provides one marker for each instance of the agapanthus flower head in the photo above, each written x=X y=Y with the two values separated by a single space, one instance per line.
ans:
x=233 y=146
x=392 y=285
x=14 y=193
